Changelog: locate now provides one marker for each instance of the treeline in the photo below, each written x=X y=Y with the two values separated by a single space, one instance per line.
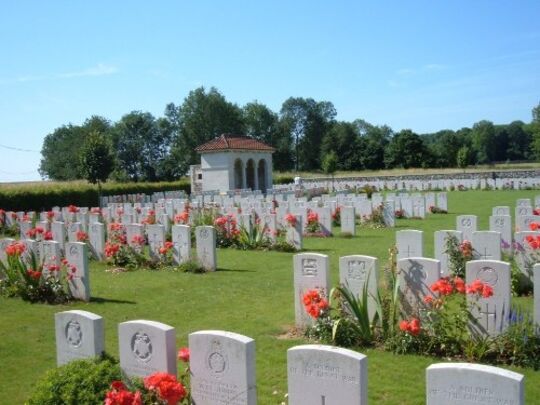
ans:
x=148 y=148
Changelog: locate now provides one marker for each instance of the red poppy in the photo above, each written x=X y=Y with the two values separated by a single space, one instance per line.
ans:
x=183 y=354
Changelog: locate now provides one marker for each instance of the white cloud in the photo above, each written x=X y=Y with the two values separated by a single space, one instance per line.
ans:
x=101 y=69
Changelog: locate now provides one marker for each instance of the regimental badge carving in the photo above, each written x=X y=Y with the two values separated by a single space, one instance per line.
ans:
x=74 y=251
x=499 y=222
x=488 y=276
x=309 y=267
x=356 y=270
x=466 y=222
x=74 y=334
x=141 y=346
x=216 y=360
x=205 y=233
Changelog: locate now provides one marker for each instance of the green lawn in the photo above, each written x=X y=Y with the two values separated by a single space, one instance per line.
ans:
x=251 y=294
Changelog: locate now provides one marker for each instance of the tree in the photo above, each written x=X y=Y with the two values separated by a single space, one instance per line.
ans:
x=140 y=146
x=61 y=148
x=343 y=140
x=263 y=124
x=59 y=153
x=484 y=141
x=201 y=117
x=462 y=157
x=407 y=149
x=329 y=165
x=307 y=121
x=96 y=160
x=373 y=146
x=536 y=114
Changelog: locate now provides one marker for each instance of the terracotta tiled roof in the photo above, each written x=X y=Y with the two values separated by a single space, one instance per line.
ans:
x=233 y=142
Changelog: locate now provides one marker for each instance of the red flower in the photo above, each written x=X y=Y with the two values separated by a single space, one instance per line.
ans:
x=36 y=275
x=411 y=327
x=479 y=288
x=119 y=395
x=111 y=249
x=138 y=240
x=73 y=209
x=167 y=386
x=291 y=219
x=314 y=303
x=183 y=354
x=221 y=221
x=50 y=215
x=533 y=226
x=48 y=235
x=182 y=218
x=82 y=236
x=15 y=249
x=442 y=286
x=428 y=299
x=459 y=284
x=404 y=326
x=312 y=217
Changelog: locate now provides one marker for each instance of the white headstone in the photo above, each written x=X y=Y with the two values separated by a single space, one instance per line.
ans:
x=294 y=234
x=78 y=280
x=348 y=220
x=470 y=384
x=536 y=293
x=441 y=238
x=355 y=272
x=205 y=238
x=51 y=256
x=146 y=347
x=181 y=239
x=389 y=213
x=500 y=210
x=491 y=313
x=416 y=275
x=96 y=239
x=410 y=243
x=486 y=245
x=503 y=225
x=467 y=225
x=156 y=238
x=73 y=229
x=79 y=334
x=326 y=375
x=222 y=366
x=311 y=271
x=4 y=243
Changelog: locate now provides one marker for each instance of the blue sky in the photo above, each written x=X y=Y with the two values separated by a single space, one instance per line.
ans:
x=423 y=65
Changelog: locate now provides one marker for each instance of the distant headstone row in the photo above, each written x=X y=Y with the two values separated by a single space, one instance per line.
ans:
x=223 y=371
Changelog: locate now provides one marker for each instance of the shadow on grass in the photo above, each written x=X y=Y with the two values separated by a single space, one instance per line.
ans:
x=236 y=270
x=99 y=300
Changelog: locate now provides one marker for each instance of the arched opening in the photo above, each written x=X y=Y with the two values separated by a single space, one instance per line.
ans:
x=238 y=174
x=261 y=175
x=250 y=174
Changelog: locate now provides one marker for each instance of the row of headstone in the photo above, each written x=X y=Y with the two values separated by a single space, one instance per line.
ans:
x=416 y=275
x=222 y=366
x=424 y=184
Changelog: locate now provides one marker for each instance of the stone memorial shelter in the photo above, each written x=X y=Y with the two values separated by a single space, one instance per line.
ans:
x=233 y=162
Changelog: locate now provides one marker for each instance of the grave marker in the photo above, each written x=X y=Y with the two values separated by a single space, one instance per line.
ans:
x=469 y=384
x=348 y=220
x=486 y=245
x=467 y=225
x=79 y=334
x=355 y=272
x=410 y=243
x=326 y=375
x=311 y=271
x=222 y=366
x=441 y=238
x=78 y=280
x=205 y=237
x=181 y=239
x=491 y=313
x=146 y=347
x=416 y=275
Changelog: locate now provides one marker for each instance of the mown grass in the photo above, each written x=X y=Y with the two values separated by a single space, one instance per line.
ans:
x=251 y=294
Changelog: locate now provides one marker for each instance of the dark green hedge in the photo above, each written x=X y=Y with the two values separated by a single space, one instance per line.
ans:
x=41 y=196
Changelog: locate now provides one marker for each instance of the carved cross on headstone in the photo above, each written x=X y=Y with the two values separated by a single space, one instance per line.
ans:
x=486 y=255
x=410 y=251
x=487 y=315
x=323 y=400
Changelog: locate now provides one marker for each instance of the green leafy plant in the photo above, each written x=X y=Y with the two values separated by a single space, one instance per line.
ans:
x=78 y=382
x=24 y=277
